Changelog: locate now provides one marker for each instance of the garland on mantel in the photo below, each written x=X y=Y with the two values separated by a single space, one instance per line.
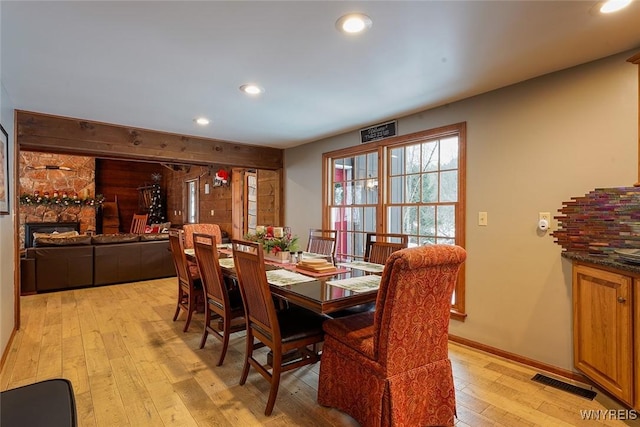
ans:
x=62 y=201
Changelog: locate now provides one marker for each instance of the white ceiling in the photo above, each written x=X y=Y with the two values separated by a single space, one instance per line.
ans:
x=158 y=65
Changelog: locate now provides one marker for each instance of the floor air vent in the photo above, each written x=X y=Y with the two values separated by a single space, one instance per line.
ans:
x=578 y=391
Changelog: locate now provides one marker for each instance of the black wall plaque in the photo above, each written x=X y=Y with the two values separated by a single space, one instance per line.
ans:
x=374 y=133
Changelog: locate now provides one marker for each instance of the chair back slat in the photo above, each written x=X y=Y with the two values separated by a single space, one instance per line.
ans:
x=415 y=295
x=322 y=242
x=379 y=246
x=206 y=252
x=139 y=223
x=252 y=278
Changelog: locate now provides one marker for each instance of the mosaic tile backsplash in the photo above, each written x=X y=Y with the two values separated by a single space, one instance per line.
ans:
x=600 y=222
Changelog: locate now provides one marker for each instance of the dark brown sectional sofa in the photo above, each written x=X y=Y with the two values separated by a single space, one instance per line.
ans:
x=66 y=263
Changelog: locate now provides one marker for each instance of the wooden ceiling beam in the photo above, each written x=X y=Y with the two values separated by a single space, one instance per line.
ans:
x=44 y=132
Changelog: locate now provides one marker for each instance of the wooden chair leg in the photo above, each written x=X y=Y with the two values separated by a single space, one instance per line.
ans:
x=248 y=353
x=225 y=339
x=275 y=381
x=207 y=322
x=186 y=324
x=175 y=316
x=205 y=335
x=191 y=306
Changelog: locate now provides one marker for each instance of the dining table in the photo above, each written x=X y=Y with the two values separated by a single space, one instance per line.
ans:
x=349 y=285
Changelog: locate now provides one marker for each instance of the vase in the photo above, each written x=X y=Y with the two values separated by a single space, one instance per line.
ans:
x=281 y=257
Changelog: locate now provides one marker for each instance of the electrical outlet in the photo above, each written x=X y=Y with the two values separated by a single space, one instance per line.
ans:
x=483 y=218
x=546 y=216
x=211 y=212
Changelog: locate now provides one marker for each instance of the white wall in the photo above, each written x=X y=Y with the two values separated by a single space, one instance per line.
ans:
x=7 y=231
x=530 y=147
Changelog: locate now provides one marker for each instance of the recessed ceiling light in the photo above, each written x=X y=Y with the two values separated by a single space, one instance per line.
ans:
x=251 y=89
x=202 y=121
x=611 y=6
x=353 y=23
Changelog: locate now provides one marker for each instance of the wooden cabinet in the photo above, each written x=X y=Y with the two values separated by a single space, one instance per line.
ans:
x=605 y=309
x=110 y=218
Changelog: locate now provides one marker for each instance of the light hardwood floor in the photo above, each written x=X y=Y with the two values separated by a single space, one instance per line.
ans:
x=130 y=365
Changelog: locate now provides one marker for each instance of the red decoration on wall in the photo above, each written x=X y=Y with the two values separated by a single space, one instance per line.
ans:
x=221 y=178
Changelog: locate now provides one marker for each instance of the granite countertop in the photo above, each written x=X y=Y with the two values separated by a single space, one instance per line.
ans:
x=611 y=261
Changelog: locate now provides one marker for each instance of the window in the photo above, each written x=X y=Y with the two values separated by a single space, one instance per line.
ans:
x=354 y=202
x=423 y=191
x=413 y=184
x=251 y=211
x=192 y=200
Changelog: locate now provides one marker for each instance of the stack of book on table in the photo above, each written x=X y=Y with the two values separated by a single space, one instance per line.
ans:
x=316 y=265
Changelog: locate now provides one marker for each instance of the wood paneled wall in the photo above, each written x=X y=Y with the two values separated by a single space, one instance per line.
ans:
x=215 y=207
x=269 y=198
x=122 y=178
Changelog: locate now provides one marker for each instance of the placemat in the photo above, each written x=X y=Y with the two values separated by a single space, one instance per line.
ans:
x=362 y=265
x=367 y=283
x=282 y=277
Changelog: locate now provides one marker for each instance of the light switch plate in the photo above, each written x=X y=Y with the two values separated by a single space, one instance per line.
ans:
x=546 y=216
x=483 y=218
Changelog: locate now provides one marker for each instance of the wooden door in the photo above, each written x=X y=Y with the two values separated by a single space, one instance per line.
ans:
x=602 y=329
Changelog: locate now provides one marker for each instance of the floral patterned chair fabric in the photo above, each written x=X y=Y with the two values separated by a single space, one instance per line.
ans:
x=391 y=367
x=189 y=230
x=211 y=229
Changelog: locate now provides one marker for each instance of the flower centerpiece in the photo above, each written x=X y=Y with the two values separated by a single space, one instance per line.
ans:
x=277 y=242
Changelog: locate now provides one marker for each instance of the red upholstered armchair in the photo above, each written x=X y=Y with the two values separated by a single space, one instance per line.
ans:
x=200 y=228
x=391 y=367
x=203 y=228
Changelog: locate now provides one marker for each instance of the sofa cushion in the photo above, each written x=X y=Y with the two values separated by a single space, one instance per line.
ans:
x=63 y=267
x=154 y=236
x=40 y=242
x=55 y=234
x=132 y=262
x=108 y=239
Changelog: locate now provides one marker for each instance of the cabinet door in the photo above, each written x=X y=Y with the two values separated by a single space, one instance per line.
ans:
x=602 y=329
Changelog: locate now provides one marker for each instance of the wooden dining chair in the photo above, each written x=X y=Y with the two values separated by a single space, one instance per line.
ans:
x=284 y=331
x=379 y=246
x=391 y=367
x=139 y=223
x=221 y=302
x=189 y=284
x=322 y=242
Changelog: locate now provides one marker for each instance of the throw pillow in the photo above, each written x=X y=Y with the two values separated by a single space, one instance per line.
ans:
x=65 y=241
x=106 y=239
x=153 y=236
x=55 y=234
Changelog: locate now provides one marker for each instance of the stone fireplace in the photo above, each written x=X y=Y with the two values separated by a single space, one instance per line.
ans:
x=56 y=175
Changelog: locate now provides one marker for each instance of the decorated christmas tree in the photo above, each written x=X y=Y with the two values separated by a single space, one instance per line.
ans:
x=156 y=210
